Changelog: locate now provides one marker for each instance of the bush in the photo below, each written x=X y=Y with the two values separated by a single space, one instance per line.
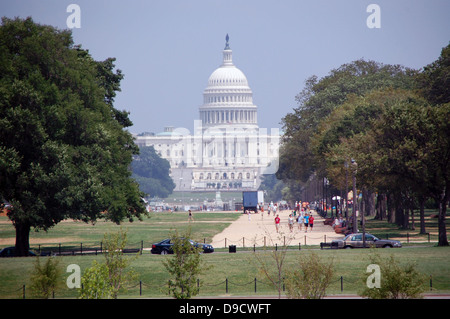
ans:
x=108 y=279
x=396 y=281
x=45 y=278
x=311 y=279
x=95 y=284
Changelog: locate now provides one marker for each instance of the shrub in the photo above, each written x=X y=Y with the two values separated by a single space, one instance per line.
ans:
x=108 y=279
x=310 y=279
x=45 y=278
x=396 y=281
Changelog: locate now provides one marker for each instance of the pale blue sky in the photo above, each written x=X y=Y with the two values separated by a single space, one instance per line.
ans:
x=167 y=49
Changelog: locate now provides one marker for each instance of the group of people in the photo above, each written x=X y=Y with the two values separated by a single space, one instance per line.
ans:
x=303 y=218
x=338 y=221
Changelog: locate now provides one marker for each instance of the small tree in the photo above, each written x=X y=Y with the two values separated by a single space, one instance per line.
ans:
x=396 y=282
x=95 y=284
x=184 y=267
x=265 y=260
x=311 y=279
x=108 y=279
x=45 y=278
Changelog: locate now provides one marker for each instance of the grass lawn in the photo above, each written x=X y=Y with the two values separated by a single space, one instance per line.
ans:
x=240 y=269
x=153 y=229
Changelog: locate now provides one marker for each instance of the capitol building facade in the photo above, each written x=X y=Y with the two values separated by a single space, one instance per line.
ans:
x=227 y=150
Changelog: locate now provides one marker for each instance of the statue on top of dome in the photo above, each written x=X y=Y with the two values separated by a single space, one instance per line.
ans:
x=227 y=45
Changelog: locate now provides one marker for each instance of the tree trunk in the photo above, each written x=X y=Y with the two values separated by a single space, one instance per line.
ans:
x=399 y=210
x=383 y=206
x=22 y=239
x=443 y=241
x=422 y=215
x=371 y=204
x=405 y=218
x=391 y=208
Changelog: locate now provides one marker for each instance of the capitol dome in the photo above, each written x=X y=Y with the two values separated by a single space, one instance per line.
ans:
x=227 y=76
x=228 y=99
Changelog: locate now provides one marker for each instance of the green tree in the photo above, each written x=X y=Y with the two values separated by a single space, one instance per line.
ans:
x=184 y=267
x=108 y=279
x=404 y=149
x=396 y=281
x=94 y=282
x=152 y=173
x=434 y=80
x=318 y=99
x=46 y=277
x=309 y=278
x=64 y=152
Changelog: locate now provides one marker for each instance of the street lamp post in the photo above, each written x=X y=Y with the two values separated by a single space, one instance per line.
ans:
x=346 y=190
x=355 y=200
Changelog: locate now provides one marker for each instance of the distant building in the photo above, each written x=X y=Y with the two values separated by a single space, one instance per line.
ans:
x=227 y=149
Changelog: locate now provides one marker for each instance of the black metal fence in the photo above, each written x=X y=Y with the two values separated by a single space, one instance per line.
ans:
x=340 y=284
x=81 y=249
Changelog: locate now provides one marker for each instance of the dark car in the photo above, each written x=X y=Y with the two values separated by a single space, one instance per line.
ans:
x=164 y=247
x=11 y=252
x=356 y=241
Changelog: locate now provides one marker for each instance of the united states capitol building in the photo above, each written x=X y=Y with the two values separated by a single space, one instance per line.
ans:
x=227 y=150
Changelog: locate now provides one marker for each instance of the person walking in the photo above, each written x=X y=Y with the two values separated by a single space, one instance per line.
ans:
x=300 y=221
x=277 y=222
x=311 y=222
x=190 y=216
x=306 y=222
x=291 y=223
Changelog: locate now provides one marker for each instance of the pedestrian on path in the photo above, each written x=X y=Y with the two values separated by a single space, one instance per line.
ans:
x=300 y=221
x=291 y=223
x=190 y=216
x=277 y=222
x=311 y=222
x=306 y=221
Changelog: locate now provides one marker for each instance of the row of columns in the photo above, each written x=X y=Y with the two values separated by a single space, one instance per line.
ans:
x=228 y=116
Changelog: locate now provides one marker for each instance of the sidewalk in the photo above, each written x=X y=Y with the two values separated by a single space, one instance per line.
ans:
x=260 y=230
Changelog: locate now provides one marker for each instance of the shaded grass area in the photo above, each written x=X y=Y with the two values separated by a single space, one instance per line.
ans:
x=385 y=230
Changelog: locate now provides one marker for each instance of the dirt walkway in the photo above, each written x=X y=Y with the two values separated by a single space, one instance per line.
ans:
x=260 y=230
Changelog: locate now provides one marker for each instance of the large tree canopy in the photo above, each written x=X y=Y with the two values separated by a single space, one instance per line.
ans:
x=389 y=121
x=64 y=152
x=319 y=98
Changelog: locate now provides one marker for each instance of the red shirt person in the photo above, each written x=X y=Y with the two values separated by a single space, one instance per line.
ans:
x=311 y=221
x=277 y=222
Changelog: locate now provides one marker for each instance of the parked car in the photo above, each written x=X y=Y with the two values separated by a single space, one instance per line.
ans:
x=165 y=247
x=356 y=241
x=11 y=252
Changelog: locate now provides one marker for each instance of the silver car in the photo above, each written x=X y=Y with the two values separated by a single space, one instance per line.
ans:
x=356 y=241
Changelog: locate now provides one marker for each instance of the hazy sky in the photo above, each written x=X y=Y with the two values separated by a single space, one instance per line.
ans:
x=167 y=49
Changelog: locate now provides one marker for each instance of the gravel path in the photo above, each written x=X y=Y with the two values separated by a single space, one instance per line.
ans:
x=259 y=229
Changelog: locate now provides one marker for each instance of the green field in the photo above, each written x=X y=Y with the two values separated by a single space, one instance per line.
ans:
x=240 y=269
x=155 y=228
